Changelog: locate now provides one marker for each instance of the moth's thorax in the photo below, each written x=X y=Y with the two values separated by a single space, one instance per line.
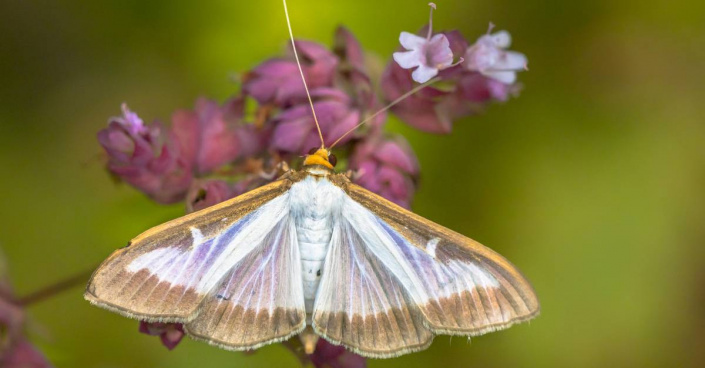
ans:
x=315 y=205
x=318 y=170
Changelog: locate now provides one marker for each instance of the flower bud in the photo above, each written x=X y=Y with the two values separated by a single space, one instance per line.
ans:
x=489 y=57
x=295 y=130
x=387 y=167
x=277 y=81
x=211 y=135
x=145 y=157
x=170 y=333
x=335 y=356
x=205 y=193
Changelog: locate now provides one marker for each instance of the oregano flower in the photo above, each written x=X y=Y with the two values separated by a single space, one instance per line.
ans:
x=428 y=55
x=489 y=57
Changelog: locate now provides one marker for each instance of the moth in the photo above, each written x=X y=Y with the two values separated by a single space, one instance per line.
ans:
x=315 y=255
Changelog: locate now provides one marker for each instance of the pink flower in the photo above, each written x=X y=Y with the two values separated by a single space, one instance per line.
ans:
x=428 y=55
x=476 y=88
x=251 y=174
x=23 y=355
x=277 y=81
x=348 y=49
x=387 y=167
x=205 y=193
x=489 y=57
x=145 y=157
x=295 y=130
x=341 y=90
x=170 y=333
x=420 y=109
x=434 y=109
x=127 y=137
x=15 y=350
x=211 y=135
x=334 y=356
x=353 y=77
x=11 y=316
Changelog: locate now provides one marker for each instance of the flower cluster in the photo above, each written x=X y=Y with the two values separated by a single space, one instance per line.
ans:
x=485 y=72
x=215 y=152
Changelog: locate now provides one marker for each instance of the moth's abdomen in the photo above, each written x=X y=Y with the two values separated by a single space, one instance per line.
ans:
x=313 y=245
x=315 y=205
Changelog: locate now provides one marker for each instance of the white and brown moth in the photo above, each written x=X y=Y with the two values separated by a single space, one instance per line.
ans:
x=316 y=255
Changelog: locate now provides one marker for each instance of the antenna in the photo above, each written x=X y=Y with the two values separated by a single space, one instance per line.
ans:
x=399 y=99
x=303 y=79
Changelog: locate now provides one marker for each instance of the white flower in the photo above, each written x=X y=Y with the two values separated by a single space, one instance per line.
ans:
x=131 y=121
x=427 y=55
x=489 y=57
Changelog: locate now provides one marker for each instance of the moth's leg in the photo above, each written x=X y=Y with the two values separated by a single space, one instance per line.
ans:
x=354 y=174
x=282 y=166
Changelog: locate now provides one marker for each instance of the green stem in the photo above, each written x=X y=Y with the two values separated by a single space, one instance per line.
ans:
x=56 y=288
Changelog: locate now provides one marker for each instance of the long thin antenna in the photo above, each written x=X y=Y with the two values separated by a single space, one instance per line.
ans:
x=303 y=79
x=401 y=98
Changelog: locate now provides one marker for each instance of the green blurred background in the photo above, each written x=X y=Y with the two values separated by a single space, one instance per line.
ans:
x=591 y=181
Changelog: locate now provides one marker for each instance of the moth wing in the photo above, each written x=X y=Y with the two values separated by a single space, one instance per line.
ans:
x=461 y=286
x=260 y=300
x=165 y=273
x=361 y=305
x=392 y=278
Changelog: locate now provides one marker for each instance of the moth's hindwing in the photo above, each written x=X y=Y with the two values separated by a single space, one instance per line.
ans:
x=212 y=270
x=399 y=278
x=361 y=304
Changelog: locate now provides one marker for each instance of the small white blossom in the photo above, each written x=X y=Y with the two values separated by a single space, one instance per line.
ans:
x=131 y=121
x=428 y=55
x=489 y=57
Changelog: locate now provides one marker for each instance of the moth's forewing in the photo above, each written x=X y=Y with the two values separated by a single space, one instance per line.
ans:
x=162 y=274
x=450 y=283
x=260 y=300
x=362 y=305
x=486 y=307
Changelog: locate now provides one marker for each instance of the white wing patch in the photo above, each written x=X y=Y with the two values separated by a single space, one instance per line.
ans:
x=197 y=236
x=431 y=247
x=150 y=260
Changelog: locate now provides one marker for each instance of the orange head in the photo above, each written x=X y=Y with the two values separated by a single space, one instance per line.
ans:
x=320 y=156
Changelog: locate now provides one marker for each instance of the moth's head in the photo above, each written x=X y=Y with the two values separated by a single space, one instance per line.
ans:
x=320 y=156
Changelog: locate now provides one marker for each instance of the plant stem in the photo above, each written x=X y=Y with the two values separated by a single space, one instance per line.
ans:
x=54 y=289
